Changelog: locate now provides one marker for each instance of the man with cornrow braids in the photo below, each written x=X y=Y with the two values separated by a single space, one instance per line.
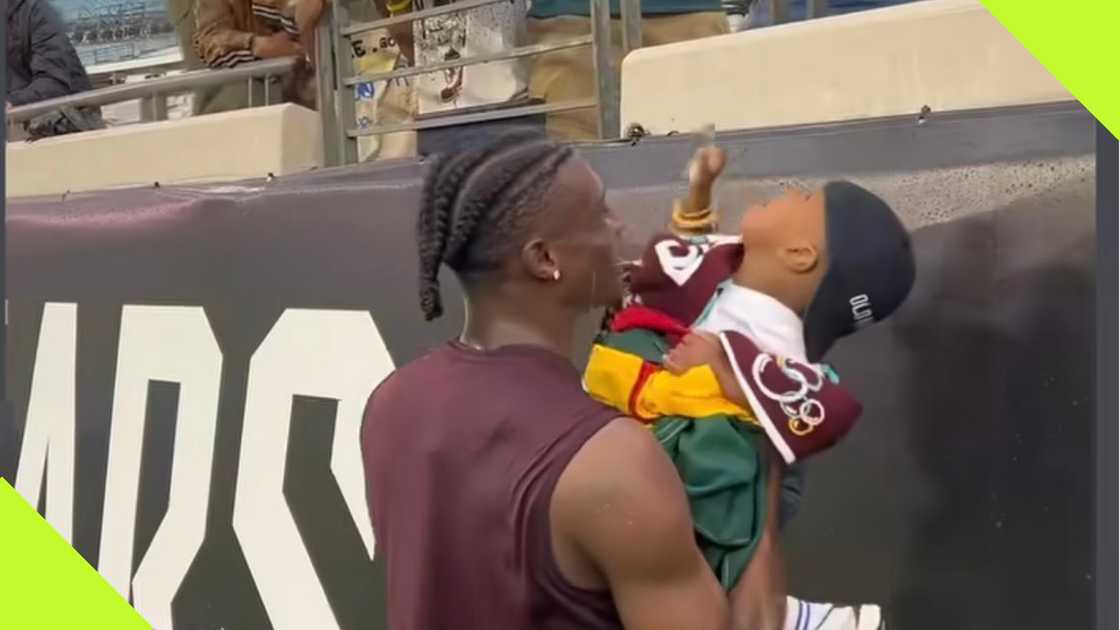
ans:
x=501 y=495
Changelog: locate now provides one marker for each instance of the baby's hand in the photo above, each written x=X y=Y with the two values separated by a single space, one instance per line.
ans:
x=704 y=348
x=706 y=166
x=695 y=349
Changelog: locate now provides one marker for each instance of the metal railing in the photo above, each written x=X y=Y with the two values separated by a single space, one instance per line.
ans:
x=335 y=82
x=153 y=93
x=118 y=73
x=337 y=102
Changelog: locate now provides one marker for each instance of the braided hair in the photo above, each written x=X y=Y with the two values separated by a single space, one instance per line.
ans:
x=477 y=202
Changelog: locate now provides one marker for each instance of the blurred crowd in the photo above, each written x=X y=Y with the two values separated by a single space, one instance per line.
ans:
x=217 y=34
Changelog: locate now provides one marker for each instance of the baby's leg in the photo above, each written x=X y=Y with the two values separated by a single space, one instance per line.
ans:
x=793 y=488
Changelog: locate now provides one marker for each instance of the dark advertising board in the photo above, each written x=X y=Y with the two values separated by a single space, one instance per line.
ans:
x=187 y=368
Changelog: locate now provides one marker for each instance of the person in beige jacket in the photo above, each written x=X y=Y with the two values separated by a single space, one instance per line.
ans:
x=231 y=32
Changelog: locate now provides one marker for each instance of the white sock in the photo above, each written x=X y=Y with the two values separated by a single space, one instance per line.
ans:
x=803 y=615
x=798 y=614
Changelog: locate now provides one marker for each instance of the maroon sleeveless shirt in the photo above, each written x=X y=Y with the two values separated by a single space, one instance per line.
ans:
x=462 y=450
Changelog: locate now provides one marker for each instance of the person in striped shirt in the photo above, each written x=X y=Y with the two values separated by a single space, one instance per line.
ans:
x=233 y=32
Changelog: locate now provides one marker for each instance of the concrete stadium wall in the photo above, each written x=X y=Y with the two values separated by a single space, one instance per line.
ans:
x=947 y=55
x=281 y=140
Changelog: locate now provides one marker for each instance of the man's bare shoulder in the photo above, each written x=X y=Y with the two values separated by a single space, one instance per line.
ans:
x=619 y=494
x=621 y=521
x=623 y=453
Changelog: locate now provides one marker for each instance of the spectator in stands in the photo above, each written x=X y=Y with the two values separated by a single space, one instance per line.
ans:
x=569 y=74
x=232 y=32
x=42 y=64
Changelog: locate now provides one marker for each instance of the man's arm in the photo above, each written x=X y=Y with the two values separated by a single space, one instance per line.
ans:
x=758 y=601
x=50 y=58
x=621 y=521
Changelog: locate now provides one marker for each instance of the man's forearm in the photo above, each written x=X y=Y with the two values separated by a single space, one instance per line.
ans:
x=226 y=48
x=758 y=601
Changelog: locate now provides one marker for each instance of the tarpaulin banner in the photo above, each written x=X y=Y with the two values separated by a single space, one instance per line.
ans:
x=188 y=365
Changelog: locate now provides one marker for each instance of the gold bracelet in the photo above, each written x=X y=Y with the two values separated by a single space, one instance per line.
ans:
x=689 y=222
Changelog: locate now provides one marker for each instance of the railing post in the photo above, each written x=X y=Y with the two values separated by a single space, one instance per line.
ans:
x=342 y=65
x=325 y=91
x=153 y=93
x=630 y=11
x=606 y=77
x=778 y=14
x=816 y=9
x=153 y=108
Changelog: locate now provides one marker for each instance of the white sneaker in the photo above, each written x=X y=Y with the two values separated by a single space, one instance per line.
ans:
x=801 y=615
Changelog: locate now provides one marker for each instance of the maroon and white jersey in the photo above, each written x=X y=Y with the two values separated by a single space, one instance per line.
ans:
x=678 y=276
x=800 y=409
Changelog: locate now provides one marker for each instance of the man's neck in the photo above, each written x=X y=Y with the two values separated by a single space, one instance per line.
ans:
x=491 y=324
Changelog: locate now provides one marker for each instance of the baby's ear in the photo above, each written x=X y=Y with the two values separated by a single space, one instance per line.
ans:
x=801 y=257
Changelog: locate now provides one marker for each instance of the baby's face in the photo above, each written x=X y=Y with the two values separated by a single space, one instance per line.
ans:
x=785 y=242
x=795 y=215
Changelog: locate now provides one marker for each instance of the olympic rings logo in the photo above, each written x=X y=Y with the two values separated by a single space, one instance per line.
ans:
x=804 y=414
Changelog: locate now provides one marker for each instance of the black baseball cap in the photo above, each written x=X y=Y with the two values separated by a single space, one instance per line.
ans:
x=870 y=267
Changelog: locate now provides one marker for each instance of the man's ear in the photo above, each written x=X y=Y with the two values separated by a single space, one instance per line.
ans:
x=800 y=257
x=539 y=260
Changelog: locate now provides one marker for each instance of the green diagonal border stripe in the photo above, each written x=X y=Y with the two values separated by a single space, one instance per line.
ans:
x=45 y=584
x=1077 y=41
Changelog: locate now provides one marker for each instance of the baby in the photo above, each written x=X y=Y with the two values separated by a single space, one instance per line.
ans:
x=722 y=337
